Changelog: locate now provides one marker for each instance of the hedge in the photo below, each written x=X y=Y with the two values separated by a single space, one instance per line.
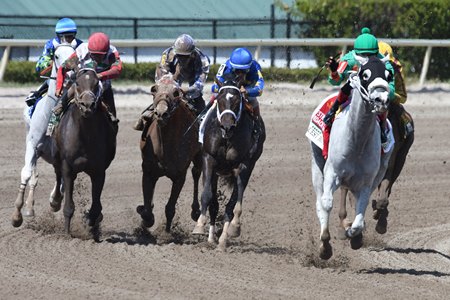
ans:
x=24 y=72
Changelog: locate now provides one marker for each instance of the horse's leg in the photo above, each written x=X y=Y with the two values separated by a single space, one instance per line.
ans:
x=69 y=205
x=29 y=203
x=16 y=218
x=344 y=223
x=317 y=167
x=355 y=232
x=177 y=185
x=95 y=212
x=207 y=195
x=196 y=172
x=213 y=210
x=56 y=196
x=148 y=189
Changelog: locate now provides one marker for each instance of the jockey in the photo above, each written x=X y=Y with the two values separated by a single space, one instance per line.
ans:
x=65 y=30
x=365 y=45
x=400 y=89
x=243 y=68
x=186 y=63
x=96 y=54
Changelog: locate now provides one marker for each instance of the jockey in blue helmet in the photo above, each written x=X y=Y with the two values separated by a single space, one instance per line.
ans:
x=65 y=30
x=241 y=67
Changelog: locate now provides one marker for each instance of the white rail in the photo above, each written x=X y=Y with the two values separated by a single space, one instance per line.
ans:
x=143 y=43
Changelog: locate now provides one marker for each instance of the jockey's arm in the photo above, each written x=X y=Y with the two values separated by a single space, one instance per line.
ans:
x=69 y=64
x=164 y=66
x=392 y=82
x=256 y=90
x=46 y=58
x=116 y=67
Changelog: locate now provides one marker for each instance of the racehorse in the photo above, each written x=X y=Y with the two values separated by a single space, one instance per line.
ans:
x=85 y=141
x=168 y=148
x=38 y=144
x=230 y=150
x=403 y=131
x=355 y=160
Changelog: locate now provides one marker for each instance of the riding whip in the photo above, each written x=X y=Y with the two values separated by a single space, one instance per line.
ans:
x=207 y=107
x=313 y=82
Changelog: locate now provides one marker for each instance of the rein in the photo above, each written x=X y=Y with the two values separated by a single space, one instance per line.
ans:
x=229 y=111
x=96 y=95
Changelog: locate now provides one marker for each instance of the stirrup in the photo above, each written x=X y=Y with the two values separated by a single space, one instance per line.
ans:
x=139 y=126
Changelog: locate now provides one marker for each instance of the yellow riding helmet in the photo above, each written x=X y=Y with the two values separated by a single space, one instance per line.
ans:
x=385 y=49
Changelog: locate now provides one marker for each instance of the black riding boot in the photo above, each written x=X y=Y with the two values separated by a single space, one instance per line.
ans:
x=330 y=114
x=33 y=96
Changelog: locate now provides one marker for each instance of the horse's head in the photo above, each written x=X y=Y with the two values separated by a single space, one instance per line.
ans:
x=62 y=52
x=87 y=91
x=229 y=108
x=373 y=81
x=166 y=97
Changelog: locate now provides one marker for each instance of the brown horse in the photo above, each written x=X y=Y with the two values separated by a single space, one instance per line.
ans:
x=403 y=130
x=85 y=141
x=168 y=149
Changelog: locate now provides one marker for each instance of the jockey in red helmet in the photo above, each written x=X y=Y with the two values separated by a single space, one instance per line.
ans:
x=96 y=54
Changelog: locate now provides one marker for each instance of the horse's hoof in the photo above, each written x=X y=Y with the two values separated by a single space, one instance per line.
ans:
x=325 y=251
x=147 y=218
x=356 y=242
x=199 y=230
x=195 y=214
x=95 y=222
x=55 y=206
x=341 y=234
x=381 y=226
x=234 y=230
x=222 y=247
x=28 y=213
x=17 y=221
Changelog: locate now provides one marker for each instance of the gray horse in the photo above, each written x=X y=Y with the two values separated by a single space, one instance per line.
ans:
x=38 y=144
x=355 y=159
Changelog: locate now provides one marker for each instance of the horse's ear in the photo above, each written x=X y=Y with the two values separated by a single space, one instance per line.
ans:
x=153 y=89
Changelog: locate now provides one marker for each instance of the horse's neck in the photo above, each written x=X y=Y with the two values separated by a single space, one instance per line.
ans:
x=360 y=122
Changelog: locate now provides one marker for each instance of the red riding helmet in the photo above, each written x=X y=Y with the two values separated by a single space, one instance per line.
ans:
x=98 y=43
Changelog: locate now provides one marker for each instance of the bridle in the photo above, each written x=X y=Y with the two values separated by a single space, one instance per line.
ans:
x=93 y=95
x=229 y=111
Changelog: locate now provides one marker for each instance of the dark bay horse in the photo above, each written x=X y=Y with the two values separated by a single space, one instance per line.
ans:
x=230 y=150
x=85 y=141
x=355 y=161
x=167 y=149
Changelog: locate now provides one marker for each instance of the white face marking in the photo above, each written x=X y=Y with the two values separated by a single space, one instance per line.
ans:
x=229 y=96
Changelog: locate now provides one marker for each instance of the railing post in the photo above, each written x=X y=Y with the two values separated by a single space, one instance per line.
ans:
x=272 y=34
x=214 y=27
x=135 y=33
x=288 y=36
x=426 y=64
x=257 y=52
x=4 y=62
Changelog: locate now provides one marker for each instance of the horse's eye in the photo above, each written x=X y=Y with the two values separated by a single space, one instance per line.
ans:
x=366 y=75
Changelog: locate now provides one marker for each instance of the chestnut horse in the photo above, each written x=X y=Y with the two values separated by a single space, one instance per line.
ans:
x=168 y=148
x=85 y=141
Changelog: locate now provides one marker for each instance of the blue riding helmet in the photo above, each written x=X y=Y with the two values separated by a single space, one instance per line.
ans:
x=65 y=25
x=241 y=59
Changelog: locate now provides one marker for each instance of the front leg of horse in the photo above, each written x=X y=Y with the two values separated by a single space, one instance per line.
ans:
x=69 y=205
x=358 y=225
x=95 y=215
x=148 y=189
x=29 y=203
x=177 y=185
x=206 y=197
x=196 y=172
x=17 y=218
x=56 y=196
x=324 y=205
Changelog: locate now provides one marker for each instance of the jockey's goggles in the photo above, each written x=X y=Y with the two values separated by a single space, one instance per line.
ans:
x=240 y=71
x=66 y=37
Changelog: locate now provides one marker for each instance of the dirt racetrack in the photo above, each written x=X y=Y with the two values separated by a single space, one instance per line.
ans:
x=276 y=256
